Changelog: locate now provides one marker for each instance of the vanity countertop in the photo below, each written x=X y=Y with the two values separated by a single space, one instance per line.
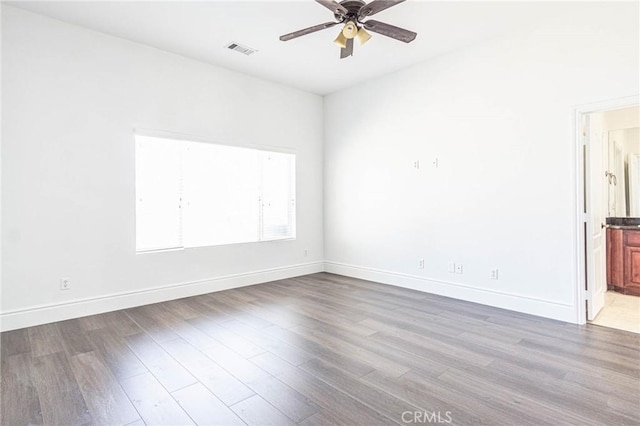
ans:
x=623 y=222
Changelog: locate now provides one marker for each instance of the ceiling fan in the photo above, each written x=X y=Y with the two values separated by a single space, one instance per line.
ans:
x=352 y=13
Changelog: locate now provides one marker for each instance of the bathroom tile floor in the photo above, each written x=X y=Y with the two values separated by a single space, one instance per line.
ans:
x=620 y=311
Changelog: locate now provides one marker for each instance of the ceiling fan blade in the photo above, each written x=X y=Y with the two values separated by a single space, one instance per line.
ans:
x=334 y=6
x=390 y=31
x=347 y=51
x=377 y=6
x=306 y=31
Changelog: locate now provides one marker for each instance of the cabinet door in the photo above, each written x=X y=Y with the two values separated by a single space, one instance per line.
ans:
x=632 y=270
x=615 y=259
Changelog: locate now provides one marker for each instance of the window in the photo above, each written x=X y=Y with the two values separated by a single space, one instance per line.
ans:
x=194 y=194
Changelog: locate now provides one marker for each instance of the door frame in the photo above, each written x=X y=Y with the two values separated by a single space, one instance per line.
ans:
x=583 y=218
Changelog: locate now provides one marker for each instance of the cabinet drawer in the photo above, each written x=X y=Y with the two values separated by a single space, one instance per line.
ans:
x=632 y=238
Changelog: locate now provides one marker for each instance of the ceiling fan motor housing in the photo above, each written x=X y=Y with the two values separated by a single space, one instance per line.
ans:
x=353 y=7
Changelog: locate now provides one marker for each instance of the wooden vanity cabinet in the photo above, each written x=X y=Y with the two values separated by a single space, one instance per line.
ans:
x=632 y=262
x=615 y=258
x=623 y=260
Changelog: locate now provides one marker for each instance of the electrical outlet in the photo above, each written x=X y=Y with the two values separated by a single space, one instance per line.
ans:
x=435 y=163
x=65 y=283
x=421 y=263
x=416 y=164
x=494 y=274
x=451 y=267
x=459 y=268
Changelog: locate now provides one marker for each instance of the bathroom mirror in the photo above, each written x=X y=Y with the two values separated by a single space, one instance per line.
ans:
x=623 y=172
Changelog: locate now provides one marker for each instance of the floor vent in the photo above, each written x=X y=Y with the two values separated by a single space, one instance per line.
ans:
x=240 y=48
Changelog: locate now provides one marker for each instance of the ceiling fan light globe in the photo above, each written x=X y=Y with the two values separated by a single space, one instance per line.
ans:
x=341 y=40
x=363 y=36
x=350 y=30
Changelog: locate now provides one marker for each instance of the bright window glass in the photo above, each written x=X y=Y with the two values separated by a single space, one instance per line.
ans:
x=194 y=194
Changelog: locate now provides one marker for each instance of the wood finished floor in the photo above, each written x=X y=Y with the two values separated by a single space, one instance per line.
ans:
x=318 y=350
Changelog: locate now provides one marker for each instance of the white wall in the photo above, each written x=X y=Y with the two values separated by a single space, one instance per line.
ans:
x=626 y=121
x=621 y=126
x=499 y=118
x=623 y=118
x=70 y=101
x=632 y=140
x=0 y=162
x=628 y=140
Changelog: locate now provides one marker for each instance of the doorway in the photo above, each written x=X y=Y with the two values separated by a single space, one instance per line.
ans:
x=609 y=142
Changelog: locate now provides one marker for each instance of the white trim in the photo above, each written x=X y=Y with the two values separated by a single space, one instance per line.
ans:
x=578 y=201
x=510 y=301
x=43 y=314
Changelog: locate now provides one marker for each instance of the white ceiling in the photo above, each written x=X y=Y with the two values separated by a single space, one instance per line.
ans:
x=201 y=30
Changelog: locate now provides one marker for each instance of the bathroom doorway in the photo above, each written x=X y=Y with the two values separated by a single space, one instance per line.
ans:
x=611 y=225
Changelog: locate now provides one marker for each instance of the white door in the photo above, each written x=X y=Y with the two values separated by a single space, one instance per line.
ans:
x=597 y=147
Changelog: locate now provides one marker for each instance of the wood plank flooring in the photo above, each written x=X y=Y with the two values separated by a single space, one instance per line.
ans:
x=319 y=350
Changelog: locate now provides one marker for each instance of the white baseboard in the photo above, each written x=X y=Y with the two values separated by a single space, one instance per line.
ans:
x=43 y=314
x=11 y=320
x=513 y=302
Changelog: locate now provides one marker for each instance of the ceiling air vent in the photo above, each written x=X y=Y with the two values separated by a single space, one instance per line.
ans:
x=240 y=48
